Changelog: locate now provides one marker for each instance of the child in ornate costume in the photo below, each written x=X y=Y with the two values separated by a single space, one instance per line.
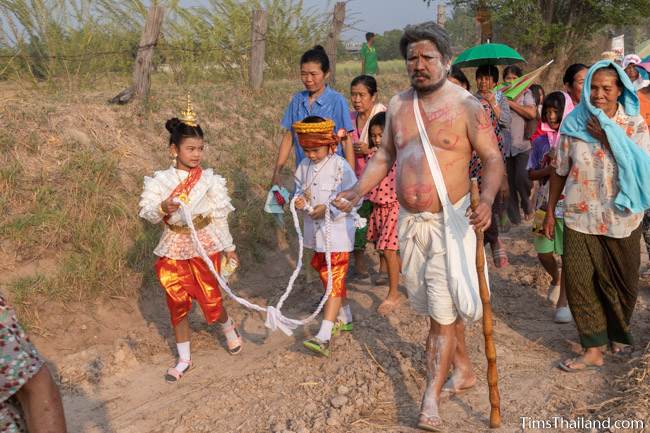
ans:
x=182 y=273
x=319 y=178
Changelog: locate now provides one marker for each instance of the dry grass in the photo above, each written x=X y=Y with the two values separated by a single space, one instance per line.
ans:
x=632 y=398
x=72 y=169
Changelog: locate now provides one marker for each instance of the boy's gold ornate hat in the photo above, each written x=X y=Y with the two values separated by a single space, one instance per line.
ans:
x=188 y=116
x=326 y=126
x=314 y=135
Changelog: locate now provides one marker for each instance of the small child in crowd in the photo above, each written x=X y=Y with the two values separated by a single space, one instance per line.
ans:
x=181 y=270
x=555 y=107
x=319 y=178
x=382 y=226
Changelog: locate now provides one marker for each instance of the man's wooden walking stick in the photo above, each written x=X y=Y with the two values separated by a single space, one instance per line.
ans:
x=490 y=350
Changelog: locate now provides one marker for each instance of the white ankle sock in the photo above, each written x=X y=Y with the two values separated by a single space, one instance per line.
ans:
x=325 y=332
x=183 y=356
x=230 y=334
x=345 y=314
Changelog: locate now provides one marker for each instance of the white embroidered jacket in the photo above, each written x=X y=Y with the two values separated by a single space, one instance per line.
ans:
x=322 y=182
x=208 y=198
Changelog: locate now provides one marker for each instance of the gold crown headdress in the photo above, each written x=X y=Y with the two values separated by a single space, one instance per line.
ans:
x=326 y=126
x=188 y=116
x=313 y=135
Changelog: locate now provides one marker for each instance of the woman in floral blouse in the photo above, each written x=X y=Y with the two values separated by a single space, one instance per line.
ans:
x=602 y=241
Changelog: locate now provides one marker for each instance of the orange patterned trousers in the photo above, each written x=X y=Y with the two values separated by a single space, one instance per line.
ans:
x=185 y=280
x=340 y=264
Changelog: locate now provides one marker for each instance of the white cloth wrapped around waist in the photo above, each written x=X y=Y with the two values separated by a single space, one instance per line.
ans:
x=460 y=250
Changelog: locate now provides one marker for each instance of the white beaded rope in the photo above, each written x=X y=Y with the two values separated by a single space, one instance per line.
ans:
x=274 y=317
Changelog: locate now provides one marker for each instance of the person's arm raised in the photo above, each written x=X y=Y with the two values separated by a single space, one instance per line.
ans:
x=283 y=155
x=484 y=141
x=528 y=112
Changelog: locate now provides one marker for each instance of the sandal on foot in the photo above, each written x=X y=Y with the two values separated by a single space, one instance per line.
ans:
x=322 y=348
x=567 y=365
x=173 y=375
x=430 y=423
x=619 y=349
x=235 y=344
x=339 y=327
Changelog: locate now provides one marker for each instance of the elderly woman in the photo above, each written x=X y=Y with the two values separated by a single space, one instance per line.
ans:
x=600 y=164
x=363 y=95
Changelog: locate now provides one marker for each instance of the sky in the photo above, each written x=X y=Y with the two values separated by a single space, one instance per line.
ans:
x=375 y=16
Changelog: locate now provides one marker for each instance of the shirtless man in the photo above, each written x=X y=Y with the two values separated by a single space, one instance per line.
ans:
x=456 y=125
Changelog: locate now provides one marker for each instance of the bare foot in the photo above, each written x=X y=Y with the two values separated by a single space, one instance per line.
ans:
x=458 y=382
x=388 y=306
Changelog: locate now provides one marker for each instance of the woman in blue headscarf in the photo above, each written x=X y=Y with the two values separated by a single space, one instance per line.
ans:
x=602 y=162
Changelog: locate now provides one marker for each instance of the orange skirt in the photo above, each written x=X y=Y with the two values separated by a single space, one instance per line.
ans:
x=340 y=264
x=185 y=280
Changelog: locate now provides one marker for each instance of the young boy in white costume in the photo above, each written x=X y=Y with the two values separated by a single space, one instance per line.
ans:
x=319 y=178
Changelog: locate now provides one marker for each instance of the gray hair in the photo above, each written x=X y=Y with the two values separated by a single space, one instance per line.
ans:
x=428 y=31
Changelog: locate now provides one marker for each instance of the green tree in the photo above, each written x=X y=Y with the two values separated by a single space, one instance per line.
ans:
x=462 y=28
x=387 y=45
x=563 y=30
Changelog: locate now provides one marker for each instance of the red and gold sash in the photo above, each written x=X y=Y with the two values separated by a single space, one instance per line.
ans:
x=182 y=190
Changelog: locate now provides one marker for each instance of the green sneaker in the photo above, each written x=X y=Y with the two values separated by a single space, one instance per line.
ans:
x=341 y=327
x=317 y=346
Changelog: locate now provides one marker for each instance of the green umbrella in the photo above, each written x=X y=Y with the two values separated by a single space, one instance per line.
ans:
x=487 y=54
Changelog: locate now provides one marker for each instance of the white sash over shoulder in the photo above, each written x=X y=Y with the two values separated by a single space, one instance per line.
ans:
x=459 y=236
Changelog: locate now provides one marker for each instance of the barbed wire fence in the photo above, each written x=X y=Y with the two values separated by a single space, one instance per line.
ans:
x=164 y=50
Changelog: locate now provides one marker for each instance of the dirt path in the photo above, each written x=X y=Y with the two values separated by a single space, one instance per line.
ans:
x=372 y=382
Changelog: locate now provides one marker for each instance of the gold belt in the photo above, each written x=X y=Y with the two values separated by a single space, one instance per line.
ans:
x=200 y=222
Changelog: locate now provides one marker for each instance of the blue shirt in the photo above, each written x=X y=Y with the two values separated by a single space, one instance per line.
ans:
x=330 y=105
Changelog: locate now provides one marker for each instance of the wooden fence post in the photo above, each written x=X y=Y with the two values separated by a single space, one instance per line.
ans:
x=258 y=47
x=442 y=16
x=143 y=60
x=484 y=19
x=333 y=36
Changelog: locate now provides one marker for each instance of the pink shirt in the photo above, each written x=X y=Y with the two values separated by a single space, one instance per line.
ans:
x=357 y=135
